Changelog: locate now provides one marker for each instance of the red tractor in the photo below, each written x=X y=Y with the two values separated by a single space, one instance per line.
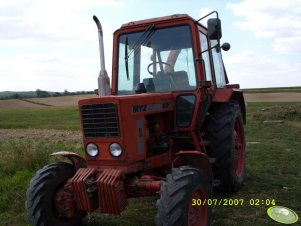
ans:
x=170 y=125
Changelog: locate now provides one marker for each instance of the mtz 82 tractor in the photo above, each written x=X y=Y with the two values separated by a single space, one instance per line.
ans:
x=170 y=125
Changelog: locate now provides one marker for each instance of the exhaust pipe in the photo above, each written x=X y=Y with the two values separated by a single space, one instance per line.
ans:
x=103 y=78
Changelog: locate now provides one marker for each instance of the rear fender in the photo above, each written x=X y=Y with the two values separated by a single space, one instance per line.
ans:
x=238 y=97
x=195 y=159
x=76 y=160
x=231 y=94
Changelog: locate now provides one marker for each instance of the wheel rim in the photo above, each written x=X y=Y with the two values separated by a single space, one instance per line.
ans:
x=198 y=214
x=64 y=205
x=239 y=147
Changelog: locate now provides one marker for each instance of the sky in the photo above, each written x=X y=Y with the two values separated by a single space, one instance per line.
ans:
x=53 y=45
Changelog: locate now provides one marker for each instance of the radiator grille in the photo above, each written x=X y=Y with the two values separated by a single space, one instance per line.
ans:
x=100 y=120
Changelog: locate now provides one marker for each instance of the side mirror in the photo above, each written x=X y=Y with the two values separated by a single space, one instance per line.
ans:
x=214 y=29
x=226 y=46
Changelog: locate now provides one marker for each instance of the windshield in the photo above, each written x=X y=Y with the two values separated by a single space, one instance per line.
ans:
x=161 y=59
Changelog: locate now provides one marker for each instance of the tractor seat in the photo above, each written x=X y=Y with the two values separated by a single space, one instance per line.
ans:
x=180 y=80
x=177 y=80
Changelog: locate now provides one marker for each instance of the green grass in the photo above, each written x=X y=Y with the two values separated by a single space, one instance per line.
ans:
x=272 y=169
x=45 y=118
x=20 y=159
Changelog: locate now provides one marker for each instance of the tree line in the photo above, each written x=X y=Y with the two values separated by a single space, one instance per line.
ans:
x=40 y=94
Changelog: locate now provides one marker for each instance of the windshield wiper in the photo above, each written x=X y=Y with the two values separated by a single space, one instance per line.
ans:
x=136 y=46
x=126 y=58
x=143 y=39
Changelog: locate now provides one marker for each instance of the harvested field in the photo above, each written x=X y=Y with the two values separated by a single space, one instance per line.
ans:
x=73 y=100
x=38 y=133
x=43 y=102
x=273 y=97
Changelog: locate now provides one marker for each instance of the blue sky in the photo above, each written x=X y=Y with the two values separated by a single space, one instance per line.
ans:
x=53 y=45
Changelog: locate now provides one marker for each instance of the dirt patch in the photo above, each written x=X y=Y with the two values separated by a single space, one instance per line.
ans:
x=63 y=101
x=295 y=124
x=34 y=102
x=279 y=113
x=44 y=102
x=38 y=133
x=17 y=104
x=273 y=97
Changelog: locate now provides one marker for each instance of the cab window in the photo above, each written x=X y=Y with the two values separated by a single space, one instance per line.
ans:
x=218 y=65
x=205 y=56
x=162 y=59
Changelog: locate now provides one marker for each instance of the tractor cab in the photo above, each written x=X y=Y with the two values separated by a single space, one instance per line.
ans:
x=169 y=54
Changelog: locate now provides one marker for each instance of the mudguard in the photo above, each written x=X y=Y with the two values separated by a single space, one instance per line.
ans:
x=76 y=160
x=197 y=160
x=231 y=94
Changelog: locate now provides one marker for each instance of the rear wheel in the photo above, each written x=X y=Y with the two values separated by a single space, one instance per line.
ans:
x=224 y=130
x=49 y=202
x=178 y=203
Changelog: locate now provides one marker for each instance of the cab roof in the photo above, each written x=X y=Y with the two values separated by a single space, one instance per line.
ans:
x=158 y=19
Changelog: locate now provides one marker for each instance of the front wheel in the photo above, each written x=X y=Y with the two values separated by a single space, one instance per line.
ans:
x=180 y=195
x=48 y=201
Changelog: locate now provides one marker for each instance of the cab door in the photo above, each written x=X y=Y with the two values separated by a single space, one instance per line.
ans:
x=212 y=61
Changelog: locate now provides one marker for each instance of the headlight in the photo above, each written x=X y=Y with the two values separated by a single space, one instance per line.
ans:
x=115 y=150
x=92 y=150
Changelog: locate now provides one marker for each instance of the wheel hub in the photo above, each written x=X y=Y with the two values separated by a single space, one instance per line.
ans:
x=64 y=203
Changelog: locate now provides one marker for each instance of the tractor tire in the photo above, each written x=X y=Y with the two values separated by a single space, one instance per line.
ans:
x=40 y=197
x=175 y=206
x=224 y=129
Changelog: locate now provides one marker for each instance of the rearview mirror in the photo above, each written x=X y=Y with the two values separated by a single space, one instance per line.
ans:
x=214 y=29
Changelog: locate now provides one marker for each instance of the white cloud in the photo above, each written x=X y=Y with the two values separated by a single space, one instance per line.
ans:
x=53 y=71
x=251 y=70
x=64 y=28
x=50 y=21
x=279 y=20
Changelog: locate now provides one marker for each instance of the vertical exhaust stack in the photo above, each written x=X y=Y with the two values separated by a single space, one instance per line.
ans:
x=103 y=78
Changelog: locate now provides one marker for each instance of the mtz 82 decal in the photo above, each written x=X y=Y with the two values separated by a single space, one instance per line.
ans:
x=150 y=107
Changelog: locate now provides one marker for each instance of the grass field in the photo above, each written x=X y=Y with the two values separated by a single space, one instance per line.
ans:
x=273 y=169
x=273 y=90
x=64 y=118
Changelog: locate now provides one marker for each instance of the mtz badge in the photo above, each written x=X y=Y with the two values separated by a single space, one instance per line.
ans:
x=150 y=107
x=139 y=108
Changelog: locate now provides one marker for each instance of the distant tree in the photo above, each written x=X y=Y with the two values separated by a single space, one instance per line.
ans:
x=5 y=98
x=16 y=96
x=57 y=94
x=42 y=93
x=66 y=92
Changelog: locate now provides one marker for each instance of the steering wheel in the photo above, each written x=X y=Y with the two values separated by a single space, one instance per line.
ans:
x=157 y=62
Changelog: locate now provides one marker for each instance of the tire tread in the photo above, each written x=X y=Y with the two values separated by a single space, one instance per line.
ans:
x=219 y=127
